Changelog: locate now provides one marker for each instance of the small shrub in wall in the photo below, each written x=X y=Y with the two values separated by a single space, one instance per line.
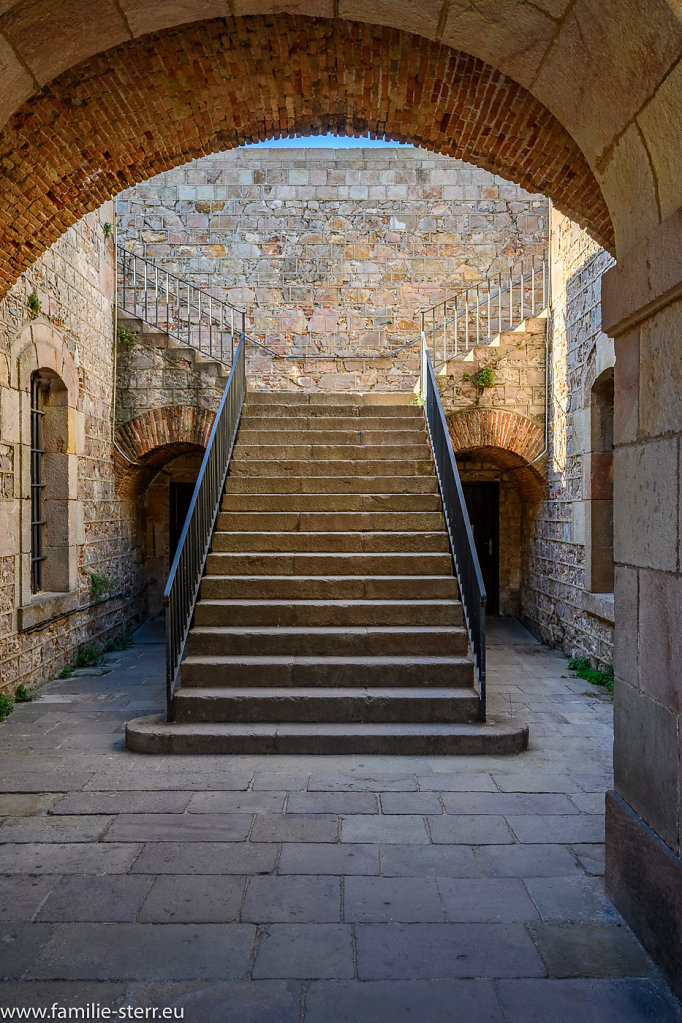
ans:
x=33 y=304
x=102 y=586
x=482 y=379
x=125 y=339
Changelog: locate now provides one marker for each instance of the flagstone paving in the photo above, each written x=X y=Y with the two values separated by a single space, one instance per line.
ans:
x=260 y=889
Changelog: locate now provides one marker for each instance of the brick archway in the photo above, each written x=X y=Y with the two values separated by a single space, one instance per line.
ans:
x=145 y=443
x=496 y=428
x=164 y=99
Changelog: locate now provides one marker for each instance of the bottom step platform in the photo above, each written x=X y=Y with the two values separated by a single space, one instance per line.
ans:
x=156 y=735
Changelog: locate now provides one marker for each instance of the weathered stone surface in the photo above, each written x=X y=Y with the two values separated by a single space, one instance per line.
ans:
x=401 y=899
x=592 y=950
x=591 y=1001
x=646 y=760
x=292 y=900
x=346 y=279
x=145 y=952
x=387 y=1001
x=203 y=898
x=297 y=950
x=99 y=899
x=422 y=951
x=488 y=900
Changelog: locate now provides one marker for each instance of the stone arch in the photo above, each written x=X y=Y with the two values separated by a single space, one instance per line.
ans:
x=254 y=78
x=39 y=346
x=614 y=82
x=38 y=350
x=147 y=441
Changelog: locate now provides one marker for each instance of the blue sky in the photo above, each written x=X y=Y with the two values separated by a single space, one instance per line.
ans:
x=327 y=142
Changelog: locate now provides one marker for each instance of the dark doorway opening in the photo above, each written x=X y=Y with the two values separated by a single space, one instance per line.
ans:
x=483 y=505
x=180 y=495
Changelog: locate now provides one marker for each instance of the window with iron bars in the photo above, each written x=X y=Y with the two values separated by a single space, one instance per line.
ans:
x=39 y=389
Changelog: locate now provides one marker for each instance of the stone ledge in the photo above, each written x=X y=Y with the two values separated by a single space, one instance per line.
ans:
x=644 y=881
x=45 y=606
x=600 y=605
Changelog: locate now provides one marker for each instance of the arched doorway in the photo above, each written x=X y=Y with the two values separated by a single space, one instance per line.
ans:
x=600 y=93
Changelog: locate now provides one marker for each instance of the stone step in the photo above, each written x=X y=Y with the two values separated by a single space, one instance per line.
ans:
x=375 y=468
x=358 y=672
x=327 y=612
x=155 y=735
x=326 y=564
x=326 y=641
x=282 y=587
x=347 y=411
x=280 y=452
x=331 y=484
x=326 y=705
x=336 y=542
x=331 y=503
x=329 y=522
x=330 y=397
x=391 y=424
x=374 y=438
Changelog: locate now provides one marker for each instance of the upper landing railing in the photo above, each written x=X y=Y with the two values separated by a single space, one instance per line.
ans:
x=477 y=314
x=212 y=326
x=183 y=311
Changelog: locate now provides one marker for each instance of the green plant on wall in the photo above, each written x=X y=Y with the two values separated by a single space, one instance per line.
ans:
x=22 y=694
x=6 y=706
x=102 y=586
x=33 y=305
x=482 y=379
x=106 y=228
x=125 y=338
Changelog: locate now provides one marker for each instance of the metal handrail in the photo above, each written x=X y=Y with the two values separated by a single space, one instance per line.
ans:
x=191 y=315
x=465 y=560
x=213 y=326
x=177 y=307
x=475 y=315
x=179 y=596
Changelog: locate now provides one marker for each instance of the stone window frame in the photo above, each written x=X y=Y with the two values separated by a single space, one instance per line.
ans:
x=40 y=349
x=597 y=601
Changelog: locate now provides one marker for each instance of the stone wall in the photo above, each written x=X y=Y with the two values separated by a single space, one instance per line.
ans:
x=642 y=311
x=556 y=601
x=517 y=363
x=332 y=251
x=89 y=529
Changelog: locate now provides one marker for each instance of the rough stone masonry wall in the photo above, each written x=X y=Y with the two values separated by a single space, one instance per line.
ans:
x=555 y=601
x=332 y=250
x=74 y=282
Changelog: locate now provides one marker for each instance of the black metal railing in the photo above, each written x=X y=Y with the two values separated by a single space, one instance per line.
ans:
x=464 y=557
x=182 y=587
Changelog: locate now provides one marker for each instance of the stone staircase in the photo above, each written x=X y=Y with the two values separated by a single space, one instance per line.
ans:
x=328 y=618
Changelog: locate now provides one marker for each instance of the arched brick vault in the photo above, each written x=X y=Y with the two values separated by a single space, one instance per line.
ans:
x=159 y=101
x=148 y=441
x=509 y=440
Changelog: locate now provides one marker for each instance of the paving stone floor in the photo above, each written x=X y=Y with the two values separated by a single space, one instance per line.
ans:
x=316 y=889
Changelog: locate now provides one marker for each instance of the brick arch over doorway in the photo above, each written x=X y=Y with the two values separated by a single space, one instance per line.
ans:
x=496 y=428
x=148 y=441
x=162 y=100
